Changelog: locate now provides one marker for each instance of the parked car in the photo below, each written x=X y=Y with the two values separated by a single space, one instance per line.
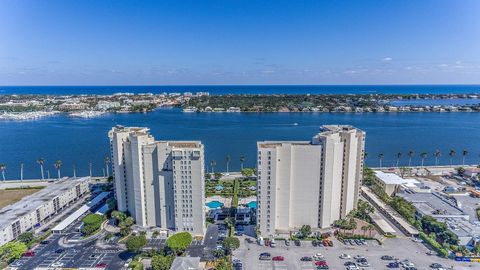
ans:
x=29 y=254
x=330 y=243
x=350 y=264
x=297 y=243
x=436 y=265
x=278 y=258
x=101 y=265
x=287 y=242
x=323 y=267
x=320 y=263
x=57 y=264
x=45 y=242
x=314 y=243
x=345 y=256
x=59 y=251
x=393 y=265
x=264 y=257
x=306 y=259
x=387 y=258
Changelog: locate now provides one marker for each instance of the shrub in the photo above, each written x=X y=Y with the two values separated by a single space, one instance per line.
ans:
x=442 y=251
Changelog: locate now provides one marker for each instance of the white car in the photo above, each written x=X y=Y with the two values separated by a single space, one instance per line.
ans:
x=345 y=256
x=352 y=267
x=407 y=263
x=57 y=264
x=318 y=255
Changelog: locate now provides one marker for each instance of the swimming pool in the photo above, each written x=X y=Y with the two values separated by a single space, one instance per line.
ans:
x=214 y=204
x=252 y=204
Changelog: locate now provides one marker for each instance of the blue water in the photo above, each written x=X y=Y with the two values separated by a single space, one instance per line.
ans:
x=79 y=141
x=252 y=204
x=214 y=204
x=247 y=89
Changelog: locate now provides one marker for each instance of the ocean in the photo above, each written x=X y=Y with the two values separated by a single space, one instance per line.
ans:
x=77 y=142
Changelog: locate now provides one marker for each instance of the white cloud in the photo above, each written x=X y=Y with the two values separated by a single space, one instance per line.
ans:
x=387 y=59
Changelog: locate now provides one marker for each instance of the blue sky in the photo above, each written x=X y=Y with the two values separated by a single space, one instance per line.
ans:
x=84 y=42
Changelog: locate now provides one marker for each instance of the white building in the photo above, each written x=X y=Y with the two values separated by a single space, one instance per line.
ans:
x=390 y=183
x=309 y=182
x=33 y=210
x=160 y=183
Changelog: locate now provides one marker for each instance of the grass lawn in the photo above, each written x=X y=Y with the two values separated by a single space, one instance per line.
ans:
x=8 y=197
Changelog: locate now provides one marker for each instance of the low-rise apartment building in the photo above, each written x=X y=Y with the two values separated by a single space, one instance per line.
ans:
x=33 y=210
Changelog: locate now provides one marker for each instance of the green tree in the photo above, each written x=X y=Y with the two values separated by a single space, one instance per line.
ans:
x=452 y=153
x=464 y=155
x=179 y=241
x=3 y=167
x=230 y=244
x=410 y=156
x=305 y=231
x=92 y=223
x=26 y=238
x=423 y=156
x=380 y=158
x=12 y=251
x=248 y=172
x=228 y=158
x=40 y=162
x=136 y=242
x=460 y=170
x=160 y=262
x=58 y=166
x=242 y=160
x=224 y=264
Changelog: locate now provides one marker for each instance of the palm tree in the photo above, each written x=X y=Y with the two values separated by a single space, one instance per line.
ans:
x=380 y=158
x=452 y=153
x=213 y=163
x=464 y=154
x=90 y=168
x=3 y=167
x=58 y=165
x=40 y=162
x=74 y=171
x=399 y=155
x=107 y=162
x=21 y=171
x=410 y=156
x=242 y=160
x=423 y=156
x=370 y=228
x=437 y=155
x=227 y=160
x=364 y=229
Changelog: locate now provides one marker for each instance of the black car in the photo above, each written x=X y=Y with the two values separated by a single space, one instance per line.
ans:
x=314 y=243
x=59 y=250
x=387 y=258
x=436 y=265
x=393 y=265
x=349 y=263
x=45 y=242
x=297 y=243
x=306 y=259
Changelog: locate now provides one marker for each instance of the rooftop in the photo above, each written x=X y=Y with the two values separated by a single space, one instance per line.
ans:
x=186 y=263
x=272 y=144
x=433 y=204
x=31 y=202
x=394 y=179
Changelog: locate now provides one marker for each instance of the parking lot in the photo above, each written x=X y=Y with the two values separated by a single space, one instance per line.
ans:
x=401 y=248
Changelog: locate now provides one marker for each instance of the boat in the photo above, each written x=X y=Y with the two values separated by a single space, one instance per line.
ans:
x=86 y=114
x=190 y=109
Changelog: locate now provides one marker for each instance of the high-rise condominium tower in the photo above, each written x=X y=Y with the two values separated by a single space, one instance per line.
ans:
x=309 y=182
x=160 y=183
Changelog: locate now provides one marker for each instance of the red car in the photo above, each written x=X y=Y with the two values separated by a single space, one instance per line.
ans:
x=321 y=263
x=101 y=265
x=278 y=258
x=29 y=254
